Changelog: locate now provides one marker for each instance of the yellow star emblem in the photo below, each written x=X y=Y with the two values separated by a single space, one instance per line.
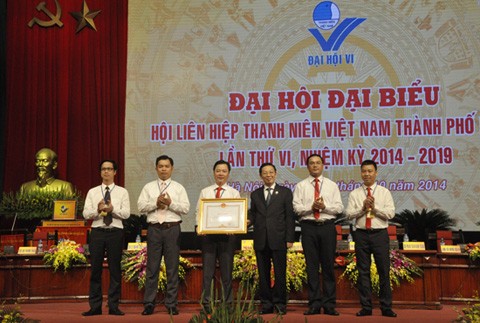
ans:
x=85 y=17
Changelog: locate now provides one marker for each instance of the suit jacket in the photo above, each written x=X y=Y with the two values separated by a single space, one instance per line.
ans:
x=274 y=224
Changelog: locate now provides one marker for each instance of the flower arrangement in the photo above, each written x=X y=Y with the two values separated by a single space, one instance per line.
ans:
x=36 y=204
x=64 y=255
x=134 y=267
x=10 y=314
x=473 y=250
x=401 y=268
x=245 y=269
x=470 y=313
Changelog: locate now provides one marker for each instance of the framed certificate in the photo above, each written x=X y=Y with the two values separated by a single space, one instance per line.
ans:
x=223 y=216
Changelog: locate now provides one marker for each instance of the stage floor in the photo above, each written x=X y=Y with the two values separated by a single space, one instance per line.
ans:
x=71 y=313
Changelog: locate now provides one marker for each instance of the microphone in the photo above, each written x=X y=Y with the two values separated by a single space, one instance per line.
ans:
x=369 y=213
x=462 y=238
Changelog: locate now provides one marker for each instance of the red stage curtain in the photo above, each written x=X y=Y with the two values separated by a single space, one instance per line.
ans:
x=65 y=91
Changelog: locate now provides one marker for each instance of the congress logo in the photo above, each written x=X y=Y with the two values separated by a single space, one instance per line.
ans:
x=326 y=17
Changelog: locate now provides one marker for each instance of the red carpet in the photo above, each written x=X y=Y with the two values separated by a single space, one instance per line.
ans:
x=71 y=313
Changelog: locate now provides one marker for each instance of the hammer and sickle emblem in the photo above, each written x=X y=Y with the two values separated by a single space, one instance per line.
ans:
x=55 y=19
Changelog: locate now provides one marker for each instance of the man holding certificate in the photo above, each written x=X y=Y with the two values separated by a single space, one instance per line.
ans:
x=271 y=214
x=221 y=246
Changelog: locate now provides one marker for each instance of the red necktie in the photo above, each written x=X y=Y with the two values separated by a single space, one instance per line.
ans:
x=316 y=214
x=219 y=191
x=368 y=221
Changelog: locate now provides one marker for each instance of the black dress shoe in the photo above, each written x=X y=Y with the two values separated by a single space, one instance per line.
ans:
x=389 y=313
x=148 y=310
x=92 y=312
x=115 y=311
x=330 y=311
x=364 y=312
x=312 y=311
x=172 y=310
x=266 y=311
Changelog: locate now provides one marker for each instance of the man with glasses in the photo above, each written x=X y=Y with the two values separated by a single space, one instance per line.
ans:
x=107 y=205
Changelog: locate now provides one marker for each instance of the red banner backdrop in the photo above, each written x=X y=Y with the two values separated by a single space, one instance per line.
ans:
x=65 y=89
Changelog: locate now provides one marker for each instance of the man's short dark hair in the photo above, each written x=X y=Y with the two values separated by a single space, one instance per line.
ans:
x=369 y=162
x=222 y=162
x=315 y=155
x=163 y=157
x=265 y=165
x=114 y=163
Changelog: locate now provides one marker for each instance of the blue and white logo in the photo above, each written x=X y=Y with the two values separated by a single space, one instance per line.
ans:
x=326 y=16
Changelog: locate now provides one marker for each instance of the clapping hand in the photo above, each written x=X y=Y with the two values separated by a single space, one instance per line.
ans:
x=163 y=201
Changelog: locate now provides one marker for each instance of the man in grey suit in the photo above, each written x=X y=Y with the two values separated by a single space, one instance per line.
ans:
x=272 y=216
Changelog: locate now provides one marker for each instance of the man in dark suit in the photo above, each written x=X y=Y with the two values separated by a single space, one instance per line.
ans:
x=272 y=216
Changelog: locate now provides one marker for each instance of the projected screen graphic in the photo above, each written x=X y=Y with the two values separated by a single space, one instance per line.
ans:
x=274 y=81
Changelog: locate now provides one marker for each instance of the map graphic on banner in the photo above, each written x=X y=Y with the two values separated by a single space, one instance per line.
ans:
x=274 y=81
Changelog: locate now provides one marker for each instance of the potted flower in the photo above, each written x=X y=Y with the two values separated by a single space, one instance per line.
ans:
x=245 y=269
x=64 y=255
x=134 y=267
x=473 y=250
x=402 y=268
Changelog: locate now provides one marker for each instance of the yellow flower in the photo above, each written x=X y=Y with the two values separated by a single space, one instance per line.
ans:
x=473 y=250
x=64 y=255
x=134 y=266
x=401 y=268
x=245 y=269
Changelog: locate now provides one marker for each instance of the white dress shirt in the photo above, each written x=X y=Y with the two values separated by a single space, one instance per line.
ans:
x=120 y=202
x=383 y=211
x=304 y=195
x=147 y=201
x=265 y=190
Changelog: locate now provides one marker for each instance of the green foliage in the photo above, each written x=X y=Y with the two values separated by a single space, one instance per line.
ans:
x=134 y=267
x=64 y=255
x=470 y=313
x=245 y=269
x=473 y=250
x=36 y=204
x=241 y=310
x=12 y=314
x=420 y=224
x=402 y=268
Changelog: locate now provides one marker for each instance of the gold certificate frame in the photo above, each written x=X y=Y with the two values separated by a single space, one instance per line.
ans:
x=223 y=216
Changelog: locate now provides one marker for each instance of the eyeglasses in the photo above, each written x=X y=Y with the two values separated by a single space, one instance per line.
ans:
x=108 y=169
